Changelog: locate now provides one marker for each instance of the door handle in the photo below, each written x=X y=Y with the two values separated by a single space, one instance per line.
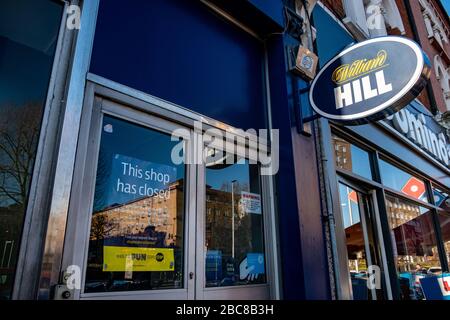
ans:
x=191 y=275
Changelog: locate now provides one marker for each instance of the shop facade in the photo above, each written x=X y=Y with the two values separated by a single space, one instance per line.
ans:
x=388 y=191
x=393 y=216
x=167 y=150
x=105 y=206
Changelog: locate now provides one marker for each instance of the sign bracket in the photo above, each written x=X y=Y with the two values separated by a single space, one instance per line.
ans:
x=315 y=115
x=303 y=123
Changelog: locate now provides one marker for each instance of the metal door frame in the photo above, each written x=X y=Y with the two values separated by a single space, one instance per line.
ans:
x=244 y=292
x=80 y=211
x=371 y=203
x=105 y=96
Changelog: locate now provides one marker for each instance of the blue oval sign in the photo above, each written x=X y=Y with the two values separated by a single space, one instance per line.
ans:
x=370 y=80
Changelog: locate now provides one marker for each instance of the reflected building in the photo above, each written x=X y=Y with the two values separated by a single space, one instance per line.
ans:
x=219 y=222
x=401 y=212
x=158 y=220
x=343 y=153
x=413 y=232
x=152 y=221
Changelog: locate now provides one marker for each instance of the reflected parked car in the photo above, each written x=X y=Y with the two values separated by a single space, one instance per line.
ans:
x=417 y=290
x=434 y=271
x=359 y=285
x=96 y=286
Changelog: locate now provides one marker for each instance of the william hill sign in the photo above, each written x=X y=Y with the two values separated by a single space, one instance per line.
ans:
x=370 y=80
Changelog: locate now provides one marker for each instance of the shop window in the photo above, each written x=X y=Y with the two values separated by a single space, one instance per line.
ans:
x=360 y=243
x=444 y=222
x=136 y=239
x=414 y=244
x=28 y=35
x=351 y=158
x=234 y=232
x=441 y=199
x=402 y=181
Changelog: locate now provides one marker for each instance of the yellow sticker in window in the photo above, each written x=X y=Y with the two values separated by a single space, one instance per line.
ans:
x=134 y=259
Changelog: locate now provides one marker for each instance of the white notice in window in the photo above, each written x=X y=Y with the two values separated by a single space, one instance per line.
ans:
x=251 y=202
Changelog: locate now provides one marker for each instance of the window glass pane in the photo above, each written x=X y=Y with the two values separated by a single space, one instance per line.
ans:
x=414 y=243
x=234 y=225
x=357 y=233
x=136 y=239
x=350 y=157
x=441 y=199
x=402 y=181
x=28 y=35
x=444 y=221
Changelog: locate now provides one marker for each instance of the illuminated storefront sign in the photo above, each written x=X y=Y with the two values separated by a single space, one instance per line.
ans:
x=422 y=131
x=370 y=80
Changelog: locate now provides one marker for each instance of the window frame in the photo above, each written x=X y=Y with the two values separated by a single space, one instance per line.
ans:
x=378 y=253
x=380 y=191
x=32 y=242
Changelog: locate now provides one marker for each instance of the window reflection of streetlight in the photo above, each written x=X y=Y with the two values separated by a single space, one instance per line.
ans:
x=232 y=218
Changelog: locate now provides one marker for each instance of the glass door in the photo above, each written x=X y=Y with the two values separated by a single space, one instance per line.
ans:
x=232 y=260
x=137 y=208
x=362 y=250
x=156 y=224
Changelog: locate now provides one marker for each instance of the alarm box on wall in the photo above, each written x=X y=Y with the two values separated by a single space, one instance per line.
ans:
x=306 y=63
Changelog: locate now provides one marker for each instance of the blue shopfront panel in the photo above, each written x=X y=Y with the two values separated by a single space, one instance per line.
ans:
x=271 y=8
x=184 y=53
x=331 y=37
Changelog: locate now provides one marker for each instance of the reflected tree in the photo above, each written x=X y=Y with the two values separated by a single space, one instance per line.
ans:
x=101 y=227
x=19 y=133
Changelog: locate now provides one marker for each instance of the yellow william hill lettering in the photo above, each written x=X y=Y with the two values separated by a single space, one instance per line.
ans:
x=355 y=81
x=359 y=68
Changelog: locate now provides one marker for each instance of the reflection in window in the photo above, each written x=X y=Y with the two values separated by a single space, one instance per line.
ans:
x=444 y=222
x=356 y=235
x=136 y=238
x=402 y=181
x=414 y=240
x=350 y=157
x=234 y=225
x=442 y=200
x=28 y=35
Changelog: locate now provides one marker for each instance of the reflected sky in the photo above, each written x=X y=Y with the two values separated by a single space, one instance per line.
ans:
x=239 y=172
x=350 y=157
x=28 y=34
x=402 y=181
x=27 y=43
x=349 y=205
